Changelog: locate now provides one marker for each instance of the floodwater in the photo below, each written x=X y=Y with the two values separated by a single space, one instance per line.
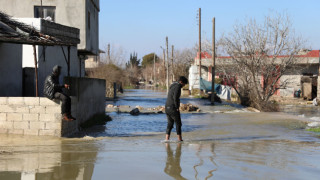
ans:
x=223 y=142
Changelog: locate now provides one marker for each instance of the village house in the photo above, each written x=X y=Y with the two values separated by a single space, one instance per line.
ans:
x=81 y=14
x=30 y=47
x=306 y=79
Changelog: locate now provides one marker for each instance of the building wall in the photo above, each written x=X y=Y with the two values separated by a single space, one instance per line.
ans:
x=72 y=13
x=10 y=69
x=48 y=57
x=54 y=56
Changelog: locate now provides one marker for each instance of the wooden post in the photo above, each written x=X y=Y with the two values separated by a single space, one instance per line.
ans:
x=36 y=69
x=167 y=65
x=108 y=54
x=199 y=51
x=68 y=61
x=154 y=69
x=114 y=90
x=172 y=73
x=213 y=59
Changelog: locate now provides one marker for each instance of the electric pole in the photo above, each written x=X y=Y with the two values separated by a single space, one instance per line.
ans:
x=154 y=69
x=199 y=51
x=109 y=54
x=172 y=74
x=167 y=65
x=213 y=59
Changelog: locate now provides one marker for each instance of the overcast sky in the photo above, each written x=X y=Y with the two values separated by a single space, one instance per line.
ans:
x=142 y=25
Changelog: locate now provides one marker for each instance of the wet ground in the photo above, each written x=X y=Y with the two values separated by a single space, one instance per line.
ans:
x=223 y=142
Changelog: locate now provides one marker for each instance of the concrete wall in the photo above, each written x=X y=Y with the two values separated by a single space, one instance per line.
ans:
x=10 y=69
x=72 y=13
x=41 y=116
x=88 y=97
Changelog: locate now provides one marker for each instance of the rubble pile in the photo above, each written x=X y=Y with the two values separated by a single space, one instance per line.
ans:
x=111 y=106
x=188 y=107
x=139 y=109
x=159 y=108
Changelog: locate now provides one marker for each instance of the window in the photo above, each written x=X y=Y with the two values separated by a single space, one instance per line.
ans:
x=45 y=12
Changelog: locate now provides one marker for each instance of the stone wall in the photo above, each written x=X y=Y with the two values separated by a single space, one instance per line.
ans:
x=41 y=116
x=30 y=116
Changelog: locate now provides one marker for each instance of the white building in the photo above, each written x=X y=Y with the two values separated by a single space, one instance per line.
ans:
x=81 y=14
x=54 y=44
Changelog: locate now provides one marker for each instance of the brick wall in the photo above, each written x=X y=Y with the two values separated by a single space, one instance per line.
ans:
x=30 y=116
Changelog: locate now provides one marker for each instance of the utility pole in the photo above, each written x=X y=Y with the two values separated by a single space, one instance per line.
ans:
x=154 y=68
x=172 y=74
x=167 y=65
x=213 y=72
x=108 y=53
x=199 y=51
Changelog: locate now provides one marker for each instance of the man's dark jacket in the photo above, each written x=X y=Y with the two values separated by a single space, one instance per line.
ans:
x=173 y=100
x=51 y=86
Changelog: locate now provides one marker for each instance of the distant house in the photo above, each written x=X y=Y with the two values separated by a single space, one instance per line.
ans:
x=93 y=61
x=17 y=60
x=81 y=14
x=306 y=79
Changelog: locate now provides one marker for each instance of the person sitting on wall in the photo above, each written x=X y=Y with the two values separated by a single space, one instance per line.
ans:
x=53 y=90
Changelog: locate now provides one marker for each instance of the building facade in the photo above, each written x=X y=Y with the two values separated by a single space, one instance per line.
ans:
x=304 y=79
x=81 y=14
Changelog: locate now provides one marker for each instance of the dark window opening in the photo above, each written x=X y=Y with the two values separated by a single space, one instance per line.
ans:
x=46 y=12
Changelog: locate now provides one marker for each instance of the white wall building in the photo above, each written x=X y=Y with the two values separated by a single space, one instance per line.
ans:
x=81 y=14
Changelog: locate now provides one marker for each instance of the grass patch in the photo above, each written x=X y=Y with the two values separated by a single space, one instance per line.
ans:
x=98 y=119
x=317 y=129
x=128 y=87
x=201 y=96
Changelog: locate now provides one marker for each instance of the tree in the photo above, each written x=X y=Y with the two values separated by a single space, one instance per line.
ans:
x=133 y=61
x=117 y=56
x=149 y=59
x=182 y=62
x=255 y=62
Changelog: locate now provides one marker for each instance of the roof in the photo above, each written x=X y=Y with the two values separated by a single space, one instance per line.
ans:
x=302 y=53
x=204 y=55
x=12 y=31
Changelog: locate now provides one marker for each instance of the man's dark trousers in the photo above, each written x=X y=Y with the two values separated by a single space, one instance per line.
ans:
x=174 y=118
x=66 y=102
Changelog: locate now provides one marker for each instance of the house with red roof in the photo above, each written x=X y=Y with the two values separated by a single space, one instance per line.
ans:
x=305 y=79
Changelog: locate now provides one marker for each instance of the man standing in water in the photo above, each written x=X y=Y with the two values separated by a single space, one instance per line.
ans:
x=172 y=107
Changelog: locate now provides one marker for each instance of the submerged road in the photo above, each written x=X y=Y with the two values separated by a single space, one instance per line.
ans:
x=226 y=142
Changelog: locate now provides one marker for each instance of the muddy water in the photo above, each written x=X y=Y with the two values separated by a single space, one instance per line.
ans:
x=224 y=143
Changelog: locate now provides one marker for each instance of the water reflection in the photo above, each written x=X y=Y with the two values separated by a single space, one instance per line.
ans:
x=30 y=158
x=173 y=167
x=199 y=154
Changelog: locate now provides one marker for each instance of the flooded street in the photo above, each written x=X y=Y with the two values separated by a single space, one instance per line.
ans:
x=223 y=142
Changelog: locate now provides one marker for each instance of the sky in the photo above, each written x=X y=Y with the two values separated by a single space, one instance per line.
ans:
x=141 y=26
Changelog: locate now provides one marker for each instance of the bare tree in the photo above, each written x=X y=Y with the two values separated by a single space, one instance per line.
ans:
x=182 y=62
x=117 y=56
x=260 y=54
